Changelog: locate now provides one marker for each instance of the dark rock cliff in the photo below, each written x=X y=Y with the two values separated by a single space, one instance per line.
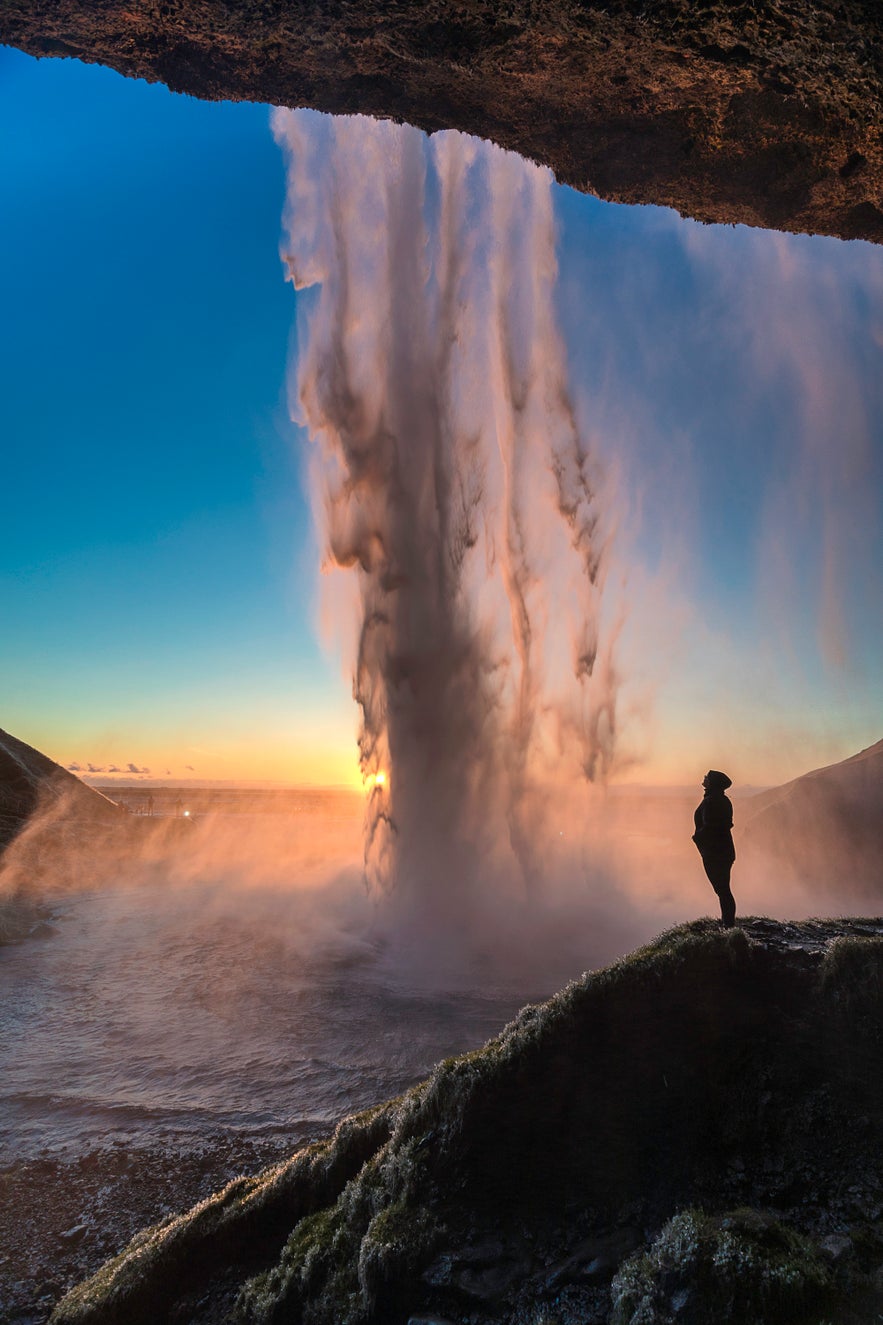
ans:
x=30 y=780
x=767 y=112
x=42 y=809
x=693 y=1134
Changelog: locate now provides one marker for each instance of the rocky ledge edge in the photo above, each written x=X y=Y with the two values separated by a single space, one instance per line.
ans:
x=768 y=113
x=692 y=1133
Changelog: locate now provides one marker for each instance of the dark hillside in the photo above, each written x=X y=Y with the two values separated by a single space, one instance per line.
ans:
x=29 y=779
x=693 y=1134
x=58 y=835
x=42 y=809
x=825 y=826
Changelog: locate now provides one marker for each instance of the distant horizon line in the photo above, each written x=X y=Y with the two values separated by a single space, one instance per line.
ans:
x=264 y=784
x=96 y=780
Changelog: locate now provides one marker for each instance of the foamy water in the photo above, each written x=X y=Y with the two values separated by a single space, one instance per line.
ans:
x=154 y=1014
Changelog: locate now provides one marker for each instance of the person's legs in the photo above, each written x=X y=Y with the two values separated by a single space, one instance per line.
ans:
x=728 y=903
x=718 y=872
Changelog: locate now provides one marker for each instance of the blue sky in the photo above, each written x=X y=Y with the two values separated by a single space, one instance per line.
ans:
x=156 y=566
x=157 y=569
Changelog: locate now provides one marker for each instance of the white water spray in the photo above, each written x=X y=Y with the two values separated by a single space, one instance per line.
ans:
x=452 y=482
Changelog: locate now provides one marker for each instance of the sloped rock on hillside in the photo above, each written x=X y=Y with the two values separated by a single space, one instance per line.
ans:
x=29 y=779
x=693 y=1134
x=825 y=826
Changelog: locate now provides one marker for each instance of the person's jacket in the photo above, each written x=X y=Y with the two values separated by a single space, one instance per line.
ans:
x=713 y=823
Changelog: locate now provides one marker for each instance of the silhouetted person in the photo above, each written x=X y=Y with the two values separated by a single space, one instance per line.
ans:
x=713 y=822
x=150 y=805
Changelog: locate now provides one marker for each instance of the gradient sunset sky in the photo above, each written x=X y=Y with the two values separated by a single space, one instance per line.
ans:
x=157 y=559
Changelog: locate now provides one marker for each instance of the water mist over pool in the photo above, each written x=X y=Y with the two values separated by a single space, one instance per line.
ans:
x=452 y=481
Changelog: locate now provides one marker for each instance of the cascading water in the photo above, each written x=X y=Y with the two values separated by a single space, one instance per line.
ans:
x=452 y=480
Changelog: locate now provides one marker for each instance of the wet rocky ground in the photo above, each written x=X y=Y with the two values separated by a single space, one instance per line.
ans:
x=21 y=919
x=61 y=1218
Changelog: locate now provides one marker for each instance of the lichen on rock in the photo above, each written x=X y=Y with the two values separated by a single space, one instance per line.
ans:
x=743 y=1267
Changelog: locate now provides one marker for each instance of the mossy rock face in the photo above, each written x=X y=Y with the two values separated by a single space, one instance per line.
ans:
x=708 y=1071
x=242 y=1227
x=743 y=1267
x=318 y=1264
x=346 y=1264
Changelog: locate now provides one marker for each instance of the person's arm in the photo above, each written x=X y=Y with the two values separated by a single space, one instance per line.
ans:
x=699 y=824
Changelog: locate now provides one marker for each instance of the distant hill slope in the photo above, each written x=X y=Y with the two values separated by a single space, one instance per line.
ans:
x=827 y=824
x=29 y=779
x=693 y=1135
x=860 y=778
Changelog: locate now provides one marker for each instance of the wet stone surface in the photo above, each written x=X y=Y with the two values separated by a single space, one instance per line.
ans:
x=60 y=1220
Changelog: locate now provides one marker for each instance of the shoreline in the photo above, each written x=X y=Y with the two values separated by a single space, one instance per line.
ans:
x=62 y=1217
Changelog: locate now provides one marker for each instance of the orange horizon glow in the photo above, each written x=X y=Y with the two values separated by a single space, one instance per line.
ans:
x=755 y=756
x=288 y=758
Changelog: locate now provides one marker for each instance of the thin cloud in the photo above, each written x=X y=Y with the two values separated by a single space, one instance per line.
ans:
x=75 y=768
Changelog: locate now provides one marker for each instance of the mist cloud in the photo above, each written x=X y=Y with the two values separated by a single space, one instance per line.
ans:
x=732 y=380
x=797 y=312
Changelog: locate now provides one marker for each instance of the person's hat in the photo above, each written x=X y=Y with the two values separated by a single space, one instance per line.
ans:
x=714 y=778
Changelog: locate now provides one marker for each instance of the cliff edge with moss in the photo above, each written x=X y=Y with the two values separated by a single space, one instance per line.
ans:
x=694 y=1133
x=767 y=112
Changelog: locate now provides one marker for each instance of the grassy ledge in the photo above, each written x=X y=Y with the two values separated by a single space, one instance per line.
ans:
x=697 y=1128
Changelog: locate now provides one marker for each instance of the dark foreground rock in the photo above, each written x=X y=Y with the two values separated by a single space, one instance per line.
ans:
x=767 y=112
x=693 y=1134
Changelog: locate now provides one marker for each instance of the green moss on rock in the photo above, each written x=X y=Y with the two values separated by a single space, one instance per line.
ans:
x=743 y=1268
x=244 y=1225
x=318 y=1264
x=638 y=1091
